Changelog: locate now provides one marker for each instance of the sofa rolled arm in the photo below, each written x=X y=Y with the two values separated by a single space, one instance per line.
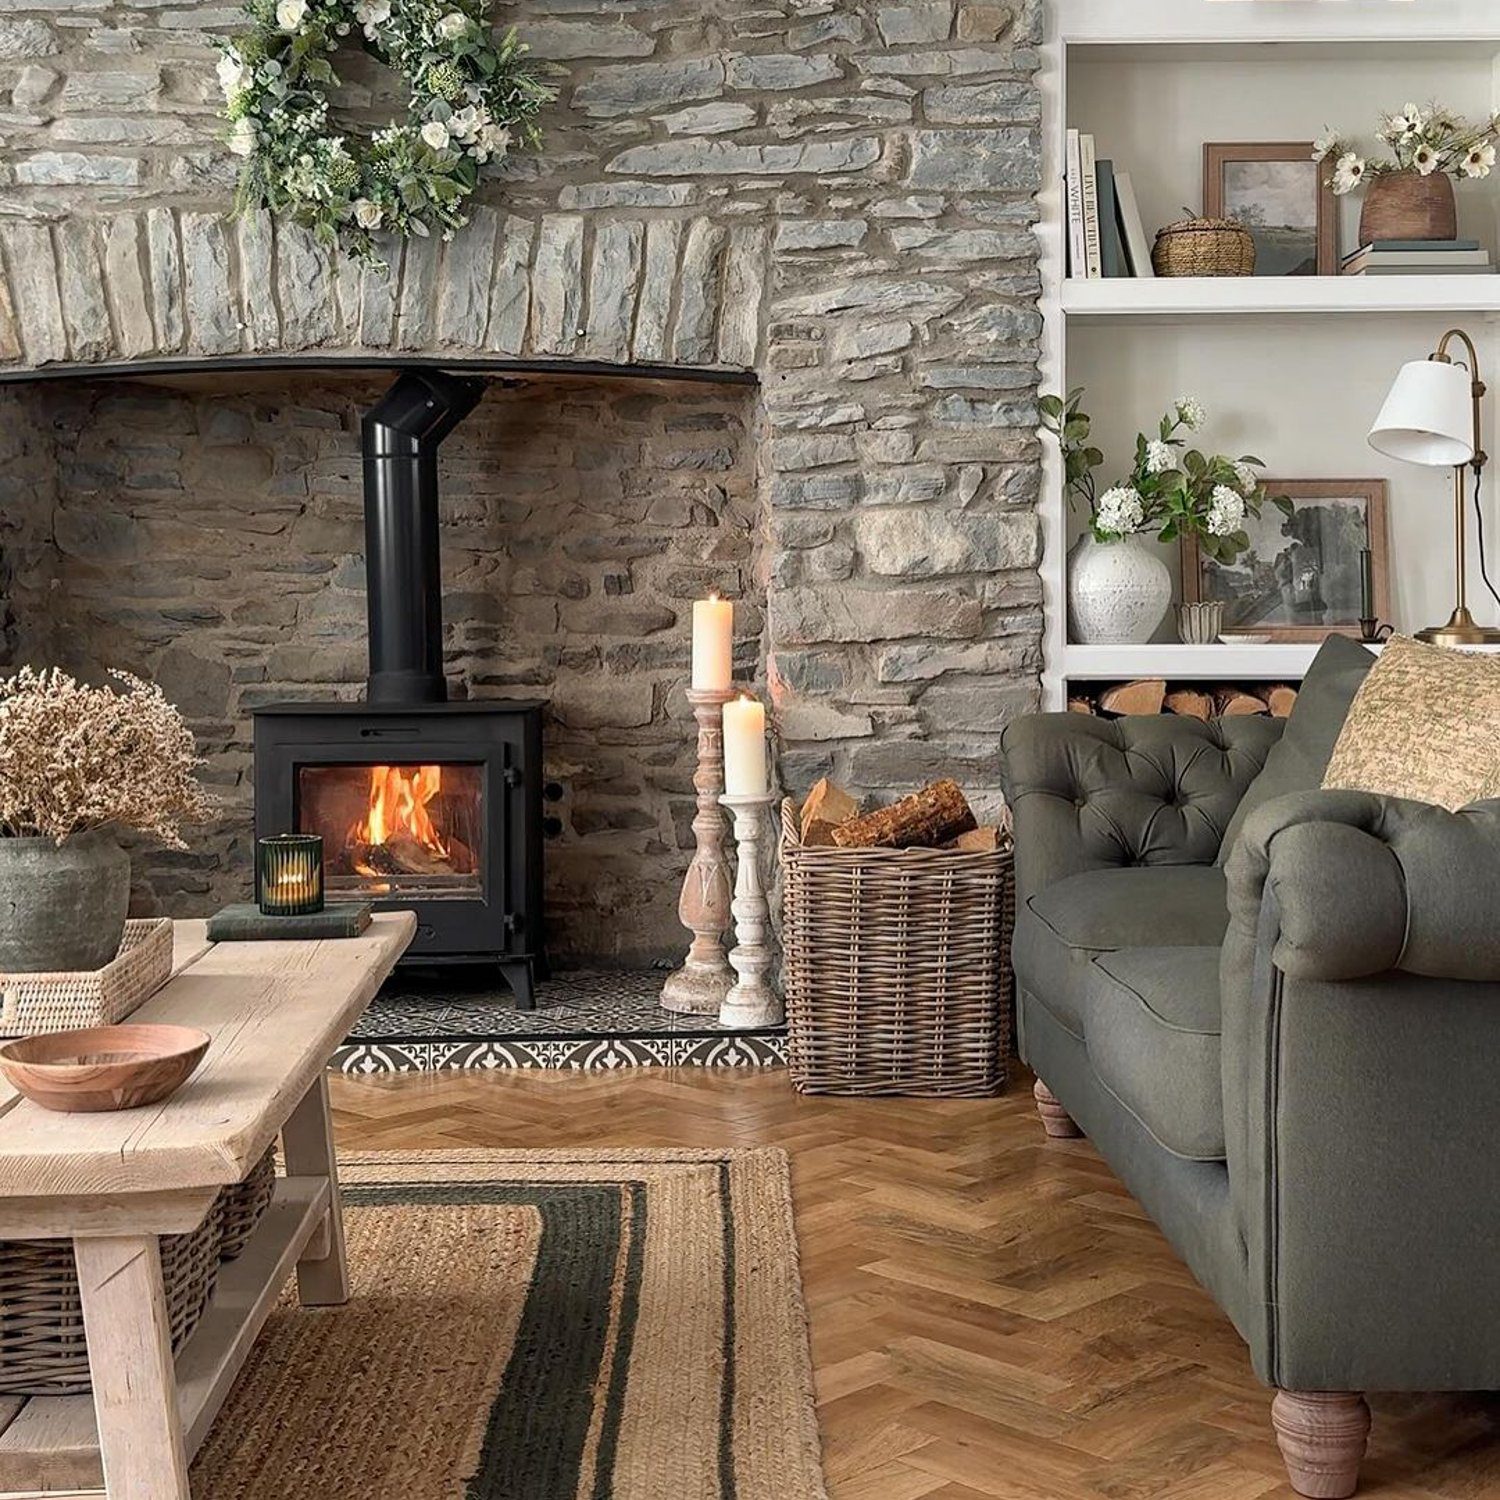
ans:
x=1090 y=793
x=1365 y=884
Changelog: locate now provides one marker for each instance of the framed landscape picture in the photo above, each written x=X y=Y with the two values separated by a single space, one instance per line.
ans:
x=1276 y=190
x=1300 y=579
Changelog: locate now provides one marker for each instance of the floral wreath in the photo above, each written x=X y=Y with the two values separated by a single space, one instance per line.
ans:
x=472 y=94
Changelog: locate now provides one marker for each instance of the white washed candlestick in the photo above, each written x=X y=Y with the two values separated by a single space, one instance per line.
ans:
x=698 y=988
x=753 y=1002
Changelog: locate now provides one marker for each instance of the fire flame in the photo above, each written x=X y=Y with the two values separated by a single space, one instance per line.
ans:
x=398 y=805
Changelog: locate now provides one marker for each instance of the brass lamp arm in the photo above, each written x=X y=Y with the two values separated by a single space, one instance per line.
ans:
x=1478 y=388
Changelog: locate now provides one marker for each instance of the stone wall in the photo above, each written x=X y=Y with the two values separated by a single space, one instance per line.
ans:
x=837 y=194
x=211 y=539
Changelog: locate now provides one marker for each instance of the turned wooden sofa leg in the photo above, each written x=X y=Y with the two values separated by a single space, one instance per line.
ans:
x=1322 y=1436
x=1056 y=1121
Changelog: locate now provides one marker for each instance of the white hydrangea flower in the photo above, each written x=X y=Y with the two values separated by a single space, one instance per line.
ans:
x=1325 y=145
x=372 y=15
x=1226 y=511
x=1348 y=173
x=367 y=214
x=290 y=14
x=1190 y=412
x=231 y=74
x=1121 y=509
x=452 y=26
x=244 y=137
x=435 y=133
x=1160 y=457
x=1248 y=479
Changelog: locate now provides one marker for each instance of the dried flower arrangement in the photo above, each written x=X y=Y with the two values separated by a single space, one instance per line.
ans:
x=1419 y=140
x=75 y=757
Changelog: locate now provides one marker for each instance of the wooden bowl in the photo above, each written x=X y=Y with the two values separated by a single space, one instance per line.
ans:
x=103 y=1067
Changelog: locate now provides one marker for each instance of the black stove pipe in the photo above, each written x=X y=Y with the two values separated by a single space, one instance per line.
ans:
x=400 y=437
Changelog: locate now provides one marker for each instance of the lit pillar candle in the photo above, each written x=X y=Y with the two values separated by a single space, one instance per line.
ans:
x=745 y=748
x=713 y=644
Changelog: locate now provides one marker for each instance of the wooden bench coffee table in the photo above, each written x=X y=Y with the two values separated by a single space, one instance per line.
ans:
x=114 y=1183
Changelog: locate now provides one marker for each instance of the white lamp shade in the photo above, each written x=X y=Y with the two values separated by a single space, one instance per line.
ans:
x=1428 y=418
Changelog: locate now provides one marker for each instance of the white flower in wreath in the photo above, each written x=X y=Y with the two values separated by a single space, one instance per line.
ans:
x=1159 y=457
x=231 y=74
x=367 y=214
x=372 y=15
x=494 y=140
x=1120 y=510
x=463 y=124
x=453 y=26
x=1480 y=161
x=1226 y=511
x=244 y=137
x=435 y=134
x=1247 y=478
x=290 y=14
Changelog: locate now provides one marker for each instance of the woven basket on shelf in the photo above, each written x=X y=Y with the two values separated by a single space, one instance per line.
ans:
x=242 y=1206
x=42 y=1347
x=32 y=1004
x=897 y=968
x=1204 y=247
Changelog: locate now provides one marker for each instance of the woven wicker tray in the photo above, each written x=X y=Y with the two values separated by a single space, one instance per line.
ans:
x=31 y=1004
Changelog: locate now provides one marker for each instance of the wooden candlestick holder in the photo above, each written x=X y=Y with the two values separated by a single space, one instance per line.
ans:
x=753 y=1002
x=698 y=988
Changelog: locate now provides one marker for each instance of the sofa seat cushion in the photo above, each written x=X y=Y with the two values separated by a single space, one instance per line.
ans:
x=1062 y=929
x=1152 y=1029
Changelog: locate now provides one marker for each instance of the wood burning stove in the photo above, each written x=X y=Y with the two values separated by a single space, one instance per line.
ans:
x=421 y=803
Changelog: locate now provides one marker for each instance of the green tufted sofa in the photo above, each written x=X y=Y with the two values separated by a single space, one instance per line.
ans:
x=1276 y=1012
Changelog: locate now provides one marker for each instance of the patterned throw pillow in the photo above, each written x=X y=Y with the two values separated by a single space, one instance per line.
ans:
x=1425 y=725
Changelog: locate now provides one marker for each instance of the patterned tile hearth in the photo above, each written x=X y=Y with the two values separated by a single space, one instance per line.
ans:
x=584 y=1019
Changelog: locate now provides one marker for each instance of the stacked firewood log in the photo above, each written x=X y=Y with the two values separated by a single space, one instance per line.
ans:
x=1151 y=695
x=937 y=817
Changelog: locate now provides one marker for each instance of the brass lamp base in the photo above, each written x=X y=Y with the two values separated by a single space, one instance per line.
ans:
x=1460 y=631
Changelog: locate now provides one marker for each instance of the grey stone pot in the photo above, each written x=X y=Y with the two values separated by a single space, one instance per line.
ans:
x=62 y=906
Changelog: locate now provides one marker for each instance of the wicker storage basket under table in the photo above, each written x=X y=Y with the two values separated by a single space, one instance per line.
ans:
x=897 y=968
x=43 y=1351
x=33 y=1004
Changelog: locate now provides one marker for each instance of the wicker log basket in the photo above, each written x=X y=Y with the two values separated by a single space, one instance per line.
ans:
x=1204 y=247
x=897 y=967
x=42 y=1347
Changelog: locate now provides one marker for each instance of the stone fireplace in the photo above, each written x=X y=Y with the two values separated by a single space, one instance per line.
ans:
x=760 y=317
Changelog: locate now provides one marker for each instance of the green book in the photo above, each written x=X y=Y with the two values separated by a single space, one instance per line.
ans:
x=244 y=922
x=1111 y=246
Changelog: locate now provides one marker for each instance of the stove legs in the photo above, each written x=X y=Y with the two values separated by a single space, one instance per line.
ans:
x=517 y=974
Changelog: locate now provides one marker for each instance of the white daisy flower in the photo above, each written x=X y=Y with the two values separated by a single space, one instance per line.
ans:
x=435 y=133
x=1120 y=510
x=1160 y=457
x=290 y=14
x=1480 y=162
x=1226 y=511
x=1325 y=145
x=1425 y=160
x=452 y=26
x=1190 y=412
x=1348 y=173
x=244 y=138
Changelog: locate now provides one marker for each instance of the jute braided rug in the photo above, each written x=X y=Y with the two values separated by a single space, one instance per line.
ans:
x=541 y=1325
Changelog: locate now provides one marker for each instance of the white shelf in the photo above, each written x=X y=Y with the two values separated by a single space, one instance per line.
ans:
x=1275 y=662
x=1168 y=299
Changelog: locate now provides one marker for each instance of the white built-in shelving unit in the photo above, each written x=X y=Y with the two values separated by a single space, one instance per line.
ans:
x=1292 y=369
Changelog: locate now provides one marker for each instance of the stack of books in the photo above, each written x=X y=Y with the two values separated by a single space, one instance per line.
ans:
x=1420 y=258
x=1106 y=236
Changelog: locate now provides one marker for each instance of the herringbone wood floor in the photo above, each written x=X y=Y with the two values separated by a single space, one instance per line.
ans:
x=991 y=1314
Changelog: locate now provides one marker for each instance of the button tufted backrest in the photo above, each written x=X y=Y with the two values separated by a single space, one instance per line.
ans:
x=1091 y=793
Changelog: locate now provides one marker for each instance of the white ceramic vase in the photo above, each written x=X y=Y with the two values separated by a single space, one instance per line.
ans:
x=1118 y=592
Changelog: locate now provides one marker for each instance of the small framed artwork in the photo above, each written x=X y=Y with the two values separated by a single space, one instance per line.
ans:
x=1302 y=577
x=1276 y=190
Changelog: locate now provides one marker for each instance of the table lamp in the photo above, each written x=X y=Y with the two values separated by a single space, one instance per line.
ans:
x=1432 y=417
